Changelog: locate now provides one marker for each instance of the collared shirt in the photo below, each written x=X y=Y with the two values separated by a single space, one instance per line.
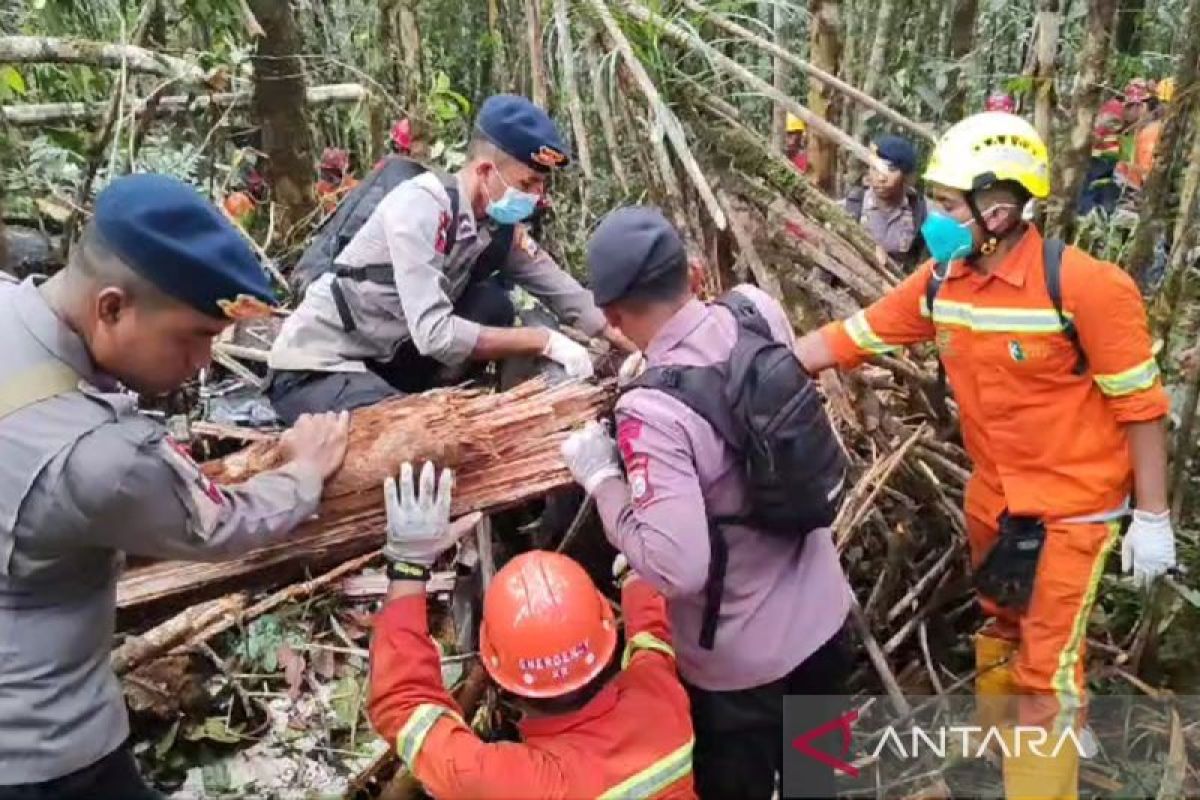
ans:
x=784 y=597
x=1044 y=441
x=409 y=229
x=85 y=479
x=892 y=227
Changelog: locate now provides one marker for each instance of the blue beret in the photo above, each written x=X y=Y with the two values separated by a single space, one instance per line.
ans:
x=630 y=247
x=898 y=151
x=173 y=237
x=524 y=131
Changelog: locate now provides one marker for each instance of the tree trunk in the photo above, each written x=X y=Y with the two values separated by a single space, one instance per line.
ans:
x=877 y=61
x=1152 y=204
x=1072 y=161
x=779 y=114
x=566 y=49
x=963 y=18
x=1049 y=21
x=1129 y=26
x=410 y=50
x=825 y=51
x=279 y=109
x=537 y=61
x=501 y=76
x=1186 y=236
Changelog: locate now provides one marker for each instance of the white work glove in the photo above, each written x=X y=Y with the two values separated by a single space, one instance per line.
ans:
x=591 y=456
x=1149 y=547
x=574 y=358
x=418 y=523
x=622 y=572
x=633 y=366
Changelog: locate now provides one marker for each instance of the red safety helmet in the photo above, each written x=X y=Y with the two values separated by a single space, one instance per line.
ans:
x=1138 y=90
x=335 y=159
x=547 y=630
x=1000 y=101
x=401 y=136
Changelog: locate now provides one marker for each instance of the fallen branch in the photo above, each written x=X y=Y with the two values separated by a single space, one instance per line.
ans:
x=137 y=650
x=688 y=39
x=54 y=50
x=55 y=113
x=857 y=95
x=670 y=123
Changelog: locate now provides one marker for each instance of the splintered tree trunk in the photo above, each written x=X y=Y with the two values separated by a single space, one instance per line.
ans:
x=537 y=61
x=1152 y=205
x=1072 y=161
x=876 y=62
x=1049 y=21
x=963 y=18
x=825 y=52
x=279 y=109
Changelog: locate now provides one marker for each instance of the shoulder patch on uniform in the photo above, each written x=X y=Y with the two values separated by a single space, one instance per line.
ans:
x=525 y=242
x=441 y=242
x=637 y=469
x=201 y=495
x=628 y=430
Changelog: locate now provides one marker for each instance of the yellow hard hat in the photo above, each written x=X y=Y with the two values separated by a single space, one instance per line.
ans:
x=1166 y=90
x=795 y=124
x=990 y=147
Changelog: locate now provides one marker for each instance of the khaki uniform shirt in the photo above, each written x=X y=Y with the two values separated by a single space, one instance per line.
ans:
x=410 y=230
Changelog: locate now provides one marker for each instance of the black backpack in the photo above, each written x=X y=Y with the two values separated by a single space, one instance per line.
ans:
x=1052 y=257
x=768 y=410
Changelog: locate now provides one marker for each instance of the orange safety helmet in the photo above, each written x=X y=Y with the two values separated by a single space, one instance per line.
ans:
x=546 y=629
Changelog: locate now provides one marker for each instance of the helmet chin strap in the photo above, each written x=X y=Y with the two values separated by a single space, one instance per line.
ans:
x=991 y=239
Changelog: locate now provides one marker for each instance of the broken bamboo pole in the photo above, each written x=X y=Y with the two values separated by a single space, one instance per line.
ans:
x=57 y=50
x=857 y=95
x=692 y=41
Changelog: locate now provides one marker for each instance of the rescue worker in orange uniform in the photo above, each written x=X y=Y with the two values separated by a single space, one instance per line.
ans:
x=1145 y=108
x=1060 y=438
x=596 y=725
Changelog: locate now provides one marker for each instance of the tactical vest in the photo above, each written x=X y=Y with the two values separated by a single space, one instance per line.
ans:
x=61 y=707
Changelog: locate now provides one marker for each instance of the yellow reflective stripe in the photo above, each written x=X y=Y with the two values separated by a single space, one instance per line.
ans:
x=1066 y=692
x=859 y=331
x=995 y=320
x=656 y=777
x=1134 y=379
x=645 y=641
x=412 y=735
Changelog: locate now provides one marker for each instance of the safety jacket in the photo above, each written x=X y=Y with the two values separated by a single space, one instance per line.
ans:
x=632 y=740
x=1045 y=440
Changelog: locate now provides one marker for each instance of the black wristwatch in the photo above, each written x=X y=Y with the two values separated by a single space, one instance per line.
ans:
x=407 y=571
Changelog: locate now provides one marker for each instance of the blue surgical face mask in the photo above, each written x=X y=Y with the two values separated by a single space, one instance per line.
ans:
x=513 y=206
x=947 y=238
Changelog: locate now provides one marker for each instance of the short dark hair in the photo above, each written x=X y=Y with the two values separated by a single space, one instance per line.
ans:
x=670 y=284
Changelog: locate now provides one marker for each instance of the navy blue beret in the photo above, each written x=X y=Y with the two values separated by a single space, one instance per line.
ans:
x=524 y=131
x=630 y=247
x=172 y=236
x=898 y=151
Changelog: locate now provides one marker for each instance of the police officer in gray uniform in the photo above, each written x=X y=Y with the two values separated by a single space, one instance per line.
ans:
x=415 y=290
x=85 y=478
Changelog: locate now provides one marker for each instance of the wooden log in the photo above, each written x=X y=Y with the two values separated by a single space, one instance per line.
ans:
x=55 y=50
x=137 y=650
x=30 y=114
x=505 y=448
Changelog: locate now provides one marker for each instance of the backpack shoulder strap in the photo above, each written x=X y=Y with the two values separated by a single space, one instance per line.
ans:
x=1052 y=258
x=451 y=187
x=938 y=395
x=702 y=389
x=745 y=313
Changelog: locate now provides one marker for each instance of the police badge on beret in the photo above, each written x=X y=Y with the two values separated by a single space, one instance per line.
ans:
x=244 y=307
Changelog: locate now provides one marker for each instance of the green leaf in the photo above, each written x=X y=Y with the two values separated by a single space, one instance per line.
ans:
x=345 y=700
x=213 y=729
x=13 y=80
x=262 y=642
x=164 y=745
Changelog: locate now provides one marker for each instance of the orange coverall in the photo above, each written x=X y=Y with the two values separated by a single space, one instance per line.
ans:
x=633 y=739
x=1045 y=442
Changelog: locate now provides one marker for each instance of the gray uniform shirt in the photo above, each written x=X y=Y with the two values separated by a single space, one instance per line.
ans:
x=409 y=229
x=84 y=479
